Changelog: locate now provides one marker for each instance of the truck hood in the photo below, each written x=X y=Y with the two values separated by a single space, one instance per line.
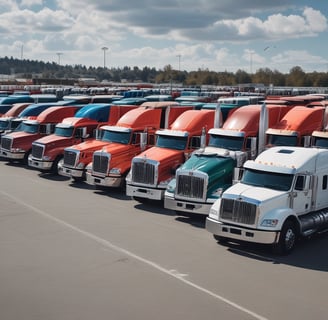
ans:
x=23 y=139
x=52 y=138
x=254 y=194
x=209 y=163
x=115 y=148
x=218 y=169
x=89 y=145
x=161 y=154
x=20 y=134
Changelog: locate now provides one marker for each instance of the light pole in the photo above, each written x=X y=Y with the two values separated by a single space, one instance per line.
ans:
x=179 y=56
x=251 y=60
x=104 y=49
x=59 y=54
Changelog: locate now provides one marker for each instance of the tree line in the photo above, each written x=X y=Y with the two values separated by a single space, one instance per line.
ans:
x=30 y=69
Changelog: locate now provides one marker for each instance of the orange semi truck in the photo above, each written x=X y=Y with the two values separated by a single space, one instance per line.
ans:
x=132 y=134
x=48 y=152
x=296 y=127
x=17 y=145
x=153 y=169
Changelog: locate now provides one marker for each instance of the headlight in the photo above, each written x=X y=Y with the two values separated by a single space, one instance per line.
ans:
x=88 y=168
x=129 y=176
x=115 y=171
x=269 y=223
x=46 y=158
x=80 y=165
x=17 y=150
x=171 y=186
x=214 y=213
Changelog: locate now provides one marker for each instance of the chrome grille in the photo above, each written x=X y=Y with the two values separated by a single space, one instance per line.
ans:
x=190 y=186
x=70 y=157
x=37 y=151
x=143 y=172
x=100 y=162
x=6 y=143
x=238 y=211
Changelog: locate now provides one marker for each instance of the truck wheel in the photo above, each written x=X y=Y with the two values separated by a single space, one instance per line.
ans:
x=287 y=239
x=58 y=162
x=25 y=160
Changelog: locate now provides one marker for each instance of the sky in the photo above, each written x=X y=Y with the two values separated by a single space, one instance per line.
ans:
x=189 y=35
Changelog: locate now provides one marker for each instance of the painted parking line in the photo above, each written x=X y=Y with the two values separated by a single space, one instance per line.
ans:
x=172 y=273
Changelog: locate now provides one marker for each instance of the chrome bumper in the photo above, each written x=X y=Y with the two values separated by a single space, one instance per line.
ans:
x=142 y=192
x=70 y=172
x=186 y=206
x=12 y=155
x=104 y=181
x=39 y=164
x=242 y=234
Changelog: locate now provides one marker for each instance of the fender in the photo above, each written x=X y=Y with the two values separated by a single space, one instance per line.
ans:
x=280 y=214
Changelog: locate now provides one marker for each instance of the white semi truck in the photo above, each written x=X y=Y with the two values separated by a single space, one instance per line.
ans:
x=282 y=195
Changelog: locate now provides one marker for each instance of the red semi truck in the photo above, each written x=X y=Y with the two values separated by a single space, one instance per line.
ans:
x=17 y=145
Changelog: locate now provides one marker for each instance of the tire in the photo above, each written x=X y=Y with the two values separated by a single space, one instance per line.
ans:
x=25 y=160
x=287 y=239
x=59 y=161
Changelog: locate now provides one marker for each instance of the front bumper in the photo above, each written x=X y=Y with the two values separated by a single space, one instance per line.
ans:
x=40 y=164
x=143 y=192
x=239 y=233
x=12 y=155
x=70 y=172
x=186 y=206
x=105 y=181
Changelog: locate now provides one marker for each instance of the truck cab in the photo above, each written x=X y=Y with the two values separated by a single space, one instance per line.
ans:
x=296 y=127
x=48 y=152
x=281 y=197
x=17 y=145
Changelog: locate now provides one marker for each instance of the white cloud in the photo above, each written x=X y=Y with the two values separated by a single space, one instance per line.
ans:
x=207 y=33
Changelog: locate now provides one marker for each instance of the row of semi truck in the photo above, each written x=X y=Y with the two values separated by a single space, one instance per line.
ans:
x=257 y=171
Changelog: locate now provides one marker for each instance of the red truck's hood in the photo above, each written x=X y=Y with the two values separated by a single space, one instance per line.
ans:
x=22 y=139
x=52 y=138
x=89 y=145
x=20 y=134
x=114 y=148
x=161 y=154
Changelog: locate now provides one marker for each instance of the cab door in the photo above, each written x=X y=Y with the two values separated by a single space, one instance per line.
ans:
x=302 y=194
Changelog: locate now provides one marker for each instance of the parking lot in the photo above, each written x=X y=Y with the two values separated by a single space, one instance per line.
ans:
x=69 y=251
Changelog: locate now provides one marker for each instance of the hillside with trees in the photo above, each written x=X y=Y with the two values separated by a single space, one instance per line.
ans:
x=30 y=69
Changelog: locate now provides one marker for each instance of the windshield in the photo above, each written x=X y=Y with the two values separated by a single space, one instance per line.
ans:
x=4 y=124
x=279 y=140
x=226 y=142
x=14 y=125
x=28 y=127
x=171 y=142
x=321 y=143
x=276 y=181
x=115 y=136
x=64 y=132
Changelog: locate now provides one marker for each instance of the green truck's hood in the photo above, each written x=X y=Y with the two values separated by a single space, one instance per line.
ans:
x=218 y=168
